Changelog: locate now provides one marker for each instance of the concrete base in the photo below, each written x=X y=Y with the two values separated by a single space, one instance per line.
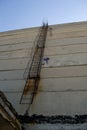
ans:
x=56 y=126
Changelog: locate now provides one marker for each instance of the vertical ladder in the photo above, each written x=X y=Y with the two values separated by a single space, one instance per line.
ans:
x=33 y=77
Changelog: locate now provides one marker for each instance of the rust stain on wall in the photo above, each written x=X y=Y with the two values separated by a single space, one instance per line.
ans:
x=32 y=86
x=36 y=88
x=29 y=86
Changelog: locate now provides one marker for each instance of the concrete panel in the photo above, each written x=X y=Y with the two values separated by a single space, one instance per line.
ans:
x=48 y=84
x=12 y=86
x=16 y=41
x=62 y=60
x=65 y=60
x=19 y=32
x=51 y=103
x=67 y=27
x=63 y=84
x=14 y=64
x=66 y=42
x=27 y=35
x=23 y=53
x=16 y=53
x=16 y=46
x=56 y=29
x=60 y=103
x=64 y=72
x=11 y=75
x=68 y=35
x=58 y=50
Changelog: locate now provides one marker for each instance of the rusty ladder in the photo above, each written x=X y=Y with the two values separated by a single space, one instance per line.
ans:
x=33 y=77
x=8 y=113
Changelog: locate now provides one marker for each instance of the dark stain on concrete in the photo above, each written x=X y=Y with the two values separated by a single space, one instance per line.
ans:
x=62 y=119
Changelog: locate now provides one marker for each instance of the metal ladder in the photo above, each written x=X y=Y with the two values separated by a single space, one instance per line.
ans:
x=8 y=113
x=32 y=81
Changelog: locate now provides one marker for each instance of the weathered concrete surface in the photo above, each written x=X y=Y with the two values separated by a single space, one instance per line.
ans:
x=63 y=84
x=56 y=126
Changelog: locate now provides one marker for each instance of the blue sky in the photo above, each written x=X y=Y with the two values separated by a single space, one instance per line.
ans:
x=18 y=14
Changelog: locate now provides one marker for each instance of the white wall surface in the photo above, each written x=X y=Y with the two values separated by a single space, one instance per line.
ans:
x=63 y=84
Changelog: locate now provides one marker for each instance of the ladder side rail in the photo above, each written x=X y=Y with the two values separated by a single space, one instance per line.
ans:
x=40 y=45
x=7 y=103
x=30 y=67
x=31 y=54
x=39 y=66
x=8 y=112
x=34 y=54
x=42 y=51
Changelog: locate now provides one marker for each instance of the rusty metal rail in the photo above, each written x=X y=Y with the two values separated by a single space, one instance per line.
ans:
x=33 y=71
x=8 y=112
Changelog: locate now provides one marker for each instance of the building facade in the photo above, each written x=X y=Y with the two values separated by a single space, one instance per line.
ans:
x=62 y=88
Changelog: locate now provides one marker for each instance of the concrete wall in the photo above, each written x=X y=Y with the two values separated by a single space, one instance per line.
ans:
x=63 y=85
